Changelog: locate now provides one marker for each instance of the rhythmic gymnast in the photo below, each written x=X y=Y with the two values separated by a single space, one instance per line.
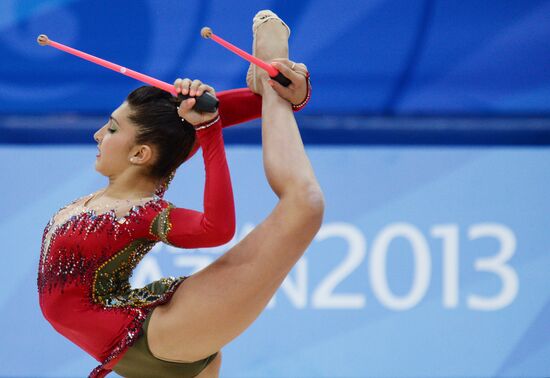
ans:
x=90 y=246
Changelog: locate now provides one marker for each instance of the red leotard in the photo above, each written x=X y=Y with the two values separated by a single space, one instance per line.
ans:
x=86 y=260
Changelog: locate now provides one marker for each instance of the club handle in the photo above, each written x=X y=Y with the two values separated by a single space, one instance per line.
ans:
x=206 y=102
x=281 y=79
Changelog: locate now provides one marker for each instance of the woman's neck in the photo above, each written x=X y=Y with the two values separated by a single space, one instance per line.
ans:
x=125 y=188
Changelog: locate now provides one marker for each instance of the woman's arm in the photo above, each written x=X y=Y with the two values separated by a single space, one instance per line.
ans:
x=186 y=228
x=238 y=106
x=191 y=229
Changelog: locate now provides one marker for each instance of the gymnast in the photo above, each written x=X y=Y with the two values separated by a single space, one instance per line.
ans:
x=176 y=327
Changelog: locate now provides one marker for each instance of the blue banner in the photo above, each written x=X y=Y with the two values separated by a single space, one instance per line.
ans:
x=390 y=57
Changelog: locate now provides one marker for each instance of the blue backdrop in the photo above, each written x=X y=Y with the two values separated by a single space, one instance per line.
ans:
x=365 y=56
x=430 y=262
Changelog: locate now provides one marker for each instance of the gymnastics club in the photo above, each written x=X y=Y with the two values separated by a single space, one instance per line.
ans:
x=207 y=33
x=204 y=103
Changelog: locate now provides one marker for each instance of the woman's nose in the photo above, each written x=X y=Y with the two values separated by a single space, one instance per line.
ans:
x=96 y=136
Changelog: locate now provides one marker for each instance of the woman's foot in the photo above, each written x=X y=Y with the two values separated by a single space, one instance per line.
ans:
x=270 y=35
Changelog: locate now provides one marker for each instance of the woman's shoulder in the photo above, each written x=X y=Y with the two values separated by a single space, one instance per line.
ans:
x=68 y=208
x=155 y=210
x=86 y=196
x=160 y=204
x=78 y=200
x=152 y=207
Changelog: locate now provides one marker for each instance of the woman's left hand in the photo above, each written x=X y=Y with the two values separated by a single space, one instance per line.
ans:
x=297 y=73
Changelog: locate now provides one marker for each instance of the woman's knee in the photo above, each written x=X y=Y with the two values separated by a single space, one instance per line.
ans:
x=310 y=202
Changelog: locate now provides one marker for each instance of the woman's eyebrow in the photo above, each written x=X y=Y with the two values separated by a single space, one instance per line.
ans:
x=113 y=118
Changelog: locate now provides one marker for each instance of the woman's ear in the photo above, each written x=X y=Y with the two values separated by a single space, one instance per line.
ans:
x=143 y=154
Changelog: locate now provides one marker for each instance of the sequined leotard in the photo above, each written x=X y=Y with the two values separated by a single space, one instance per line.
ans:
x=86 y=260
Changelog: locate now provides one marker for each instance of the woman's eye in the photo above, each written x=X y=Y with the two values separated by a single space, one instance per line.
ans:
x=111 y=130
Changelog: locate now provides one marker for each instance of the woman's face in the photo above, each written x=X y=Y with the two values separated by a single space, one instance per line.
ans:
x=116 y=143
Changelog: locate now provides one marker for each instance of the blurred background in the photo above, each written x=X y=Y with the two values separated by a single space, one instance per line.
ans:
x=428 y=128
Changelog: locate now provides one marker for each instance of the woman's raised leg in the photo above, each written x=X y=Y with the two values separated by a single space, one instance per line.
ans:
x=215 y=305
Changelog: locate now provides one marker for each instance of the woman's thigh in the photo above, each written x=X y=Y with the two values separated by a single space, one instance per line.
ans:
x=215 y=305
x=140 y=362
x=213 y=368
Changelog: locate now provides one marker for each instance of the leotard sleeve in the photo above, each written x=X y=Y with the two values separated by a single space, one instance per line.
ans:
x=186 y=228
x=238 y=106
x=235 y=106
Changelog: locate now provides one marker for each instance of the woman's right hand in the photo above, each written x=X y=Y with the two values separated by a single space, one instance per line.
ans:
x=193 y=88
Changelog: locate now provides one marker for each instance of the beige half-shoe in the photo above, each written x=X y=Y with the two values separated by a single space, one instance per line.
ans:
x=260 y=18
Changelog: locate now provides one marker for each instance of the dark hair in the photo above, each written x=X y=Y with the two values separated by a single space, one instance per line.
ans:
x=154 y=112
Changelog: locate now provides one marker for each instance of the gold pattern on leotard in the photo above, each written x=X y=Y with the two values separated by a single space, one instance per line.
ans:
x=161 y=225
x=111 y=286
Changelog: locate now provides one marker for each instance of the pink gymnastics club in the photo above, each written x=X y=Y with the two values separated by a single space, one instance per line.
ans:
x=206 y=102
x=207 y=33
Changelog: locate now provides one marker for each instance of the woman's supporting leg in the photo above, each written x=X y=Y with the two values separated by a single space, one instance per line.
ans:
x=215 y=305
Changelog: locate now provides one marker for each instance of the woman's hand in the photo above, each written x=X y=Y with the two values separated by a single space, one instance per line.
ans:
x=297 y=73
x=193 y=88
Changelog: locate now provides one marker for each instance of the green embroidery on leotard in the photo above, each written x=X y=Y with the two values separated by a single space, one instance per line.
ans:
x=111 y=287
x=161 y=226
